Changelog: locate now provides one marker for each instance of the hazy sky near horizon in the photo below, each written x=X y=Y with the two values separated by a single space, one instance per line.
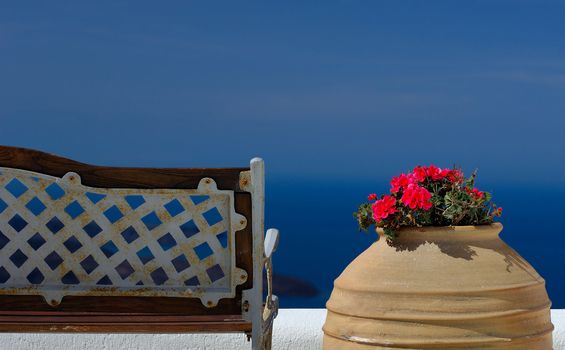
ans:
x=352 y=89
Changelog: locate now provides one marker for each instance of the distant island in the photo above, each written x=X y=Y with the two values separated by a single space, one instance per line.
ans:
x=292 y=286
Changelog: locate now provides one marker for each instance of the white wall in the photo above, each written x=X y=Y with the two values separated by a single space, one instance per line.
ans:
x=295 y=329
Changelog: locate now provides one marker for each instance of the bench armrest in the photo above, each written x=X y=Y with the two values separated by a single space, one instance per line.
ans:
x=271 y=308
x=271 y=242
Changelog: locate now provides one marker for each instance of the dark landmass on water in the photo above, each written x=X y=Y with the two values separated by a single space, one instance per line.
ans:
x=292 y=286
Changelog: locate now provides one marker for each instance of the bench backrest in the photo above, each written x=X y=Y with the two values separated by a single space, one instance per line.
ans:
x=59 y=237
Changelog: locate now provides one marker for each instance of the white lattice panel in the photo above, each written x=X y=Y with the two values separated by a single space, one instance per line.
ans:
x=58 y=237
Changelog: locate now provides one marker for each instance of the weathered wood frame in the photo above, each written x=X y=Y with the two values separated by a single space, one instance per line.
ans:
x=244 y=313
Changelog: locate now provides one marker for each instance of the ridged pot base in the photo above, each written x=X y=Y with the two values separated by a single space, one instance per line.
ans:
x=439 y=288
x=530 y=344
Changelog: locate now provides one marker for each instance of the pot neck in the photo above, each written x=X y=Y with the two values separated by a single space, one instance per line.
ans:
x=447 y=233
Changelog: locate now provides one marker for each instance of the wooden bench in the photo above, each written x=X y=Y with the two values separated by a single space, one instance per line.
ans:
x=103 y=249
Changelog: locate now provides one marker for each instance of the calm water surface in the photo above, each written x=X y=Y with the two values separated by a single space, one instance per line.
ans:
x=319 y=236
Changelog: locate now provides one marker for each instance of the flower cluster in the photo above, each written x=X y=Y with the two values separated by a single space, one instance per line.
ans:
x=428 y=196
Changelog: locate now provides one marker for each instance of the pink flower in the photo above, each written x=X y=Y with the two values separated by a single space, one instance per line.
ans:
x=383 y=208
x=400 y=182
x=372 y=197
x=416 y=197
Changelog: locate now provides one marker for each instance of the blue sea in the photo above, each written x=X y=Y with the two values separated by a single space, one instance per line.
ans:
x=319 y=235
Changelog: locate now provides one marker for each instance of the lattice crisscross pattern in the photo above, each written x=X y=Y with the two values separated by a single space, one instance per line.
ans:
x=58 y=237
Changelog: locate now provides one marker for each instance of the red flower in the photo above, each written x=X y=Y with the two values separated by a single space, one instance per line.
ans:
x=400 y=182
x=478 y=194
x=419 y=173
x=372 y=197
x=416 y=197
x=446 y=173
x=435 y=173
x=383 y=208
x=475 y=193
x=455 y=176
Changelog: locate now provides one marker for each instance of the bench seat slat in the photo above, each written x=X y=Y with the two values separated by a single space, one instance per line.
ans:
x=110 y=326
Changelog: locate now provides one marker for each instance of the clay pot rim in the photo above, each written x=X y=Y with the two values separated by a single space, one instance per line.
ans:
x=447 y=232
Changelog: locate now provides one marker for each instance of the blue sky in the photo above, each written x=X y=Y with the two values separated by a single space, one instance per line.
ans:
x=355 y=89
x=337 y=96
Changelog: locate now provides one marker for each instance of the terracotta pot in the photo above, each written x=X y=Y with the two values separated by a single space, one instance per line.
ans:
x=439 y=288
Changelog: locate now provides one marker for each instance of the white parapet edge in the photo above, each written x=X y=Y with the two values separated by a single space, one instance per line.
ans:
x=295 y=329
